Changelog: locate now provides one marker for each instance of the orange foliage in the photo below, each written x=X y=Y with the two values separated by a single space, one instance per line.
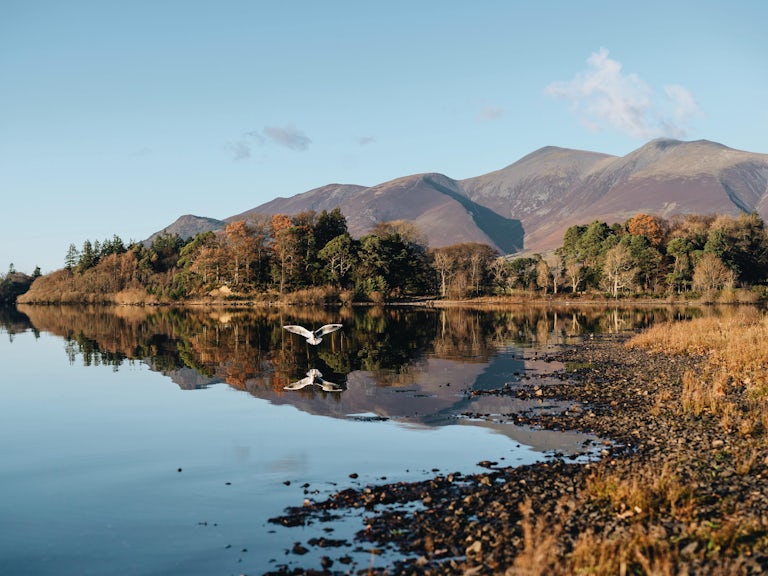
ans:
x=652 y=227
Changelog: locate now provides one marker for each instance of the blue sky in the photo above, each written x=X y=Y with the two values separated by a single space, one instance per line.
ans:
x=118 y=117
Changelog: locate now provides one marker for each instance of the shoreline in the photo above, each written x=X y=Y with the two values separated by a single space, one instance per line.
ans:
x=673 y=493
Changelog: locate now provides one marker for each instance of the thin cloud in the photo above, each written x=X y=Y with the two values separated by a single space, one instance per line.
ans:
x=605 y=96
x=288 y=137
x=239 y=150
x=491 y=113
x=365 y=140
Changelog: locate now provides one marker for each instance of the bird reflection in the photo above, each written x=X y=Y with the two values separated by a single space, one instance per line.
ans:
x=315 y=378
x=313 y=337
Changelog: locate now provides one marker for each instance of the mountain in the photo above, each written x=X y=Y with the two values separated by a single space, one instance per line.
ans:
x=435 y=203
x=664 y=177
x=529 y=204
x=188 y=226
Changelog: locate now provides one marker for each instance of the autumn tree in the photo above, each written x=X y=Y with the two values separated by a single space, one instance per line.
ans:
x=574 y=272
x=653 y=228
x=463 y=269
x=543 y=275
x=711 y=273
x=240 y=246
x=281 y=249
x=443 y=263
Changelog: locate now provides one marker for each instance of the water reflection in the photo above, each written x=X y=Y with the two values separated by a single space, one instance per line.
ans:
x=414 y=365
x=315 y=378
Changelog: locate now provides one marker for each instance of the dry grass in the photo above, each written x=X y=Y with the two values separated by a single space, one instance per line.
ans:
x=732 y=381
x=541 y=542
x=315 y=295
x=642 y=493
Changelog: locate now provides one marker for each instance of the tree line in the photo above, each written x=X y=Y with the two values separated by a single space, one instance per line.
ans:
x=15 y=283
x=314 y=253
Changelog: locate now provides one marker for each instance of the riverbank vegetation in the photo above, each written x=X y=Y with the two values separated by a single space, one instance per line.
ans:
x=312 y=258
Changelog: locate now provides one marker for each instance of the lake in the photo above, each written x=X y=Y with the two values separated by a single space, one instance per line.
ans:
x=161 y=440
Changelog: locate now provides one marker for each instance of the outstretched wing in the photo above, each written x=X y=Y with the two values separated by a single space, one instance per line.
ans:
x=299 y=330
x=323 y=330
x=304 y=382
x=331 y=387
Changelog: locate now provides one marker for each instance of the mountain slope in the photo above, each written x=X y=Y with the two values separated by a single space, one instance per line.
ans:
x=435 y=203
x=188 y=226
x=530 y=203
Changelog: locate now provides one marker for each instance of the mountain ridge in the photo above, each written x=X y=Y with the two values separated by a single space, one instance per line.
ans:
x=529 y=204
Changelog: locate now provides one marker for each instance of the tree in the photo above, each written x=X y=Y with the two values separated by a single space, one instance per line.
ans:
x=543 y=275
x=87 y=257
x=329 y=225
x=588 y=245
x=647 y=259
x=741 y=243
x=522 y=272
x=72 y=258
x=340 y=257
x=240 y=246
x=680 y=276
x=574 y=271
x=653 y=228
x=712 y=274
x=619 y=269
x=164 y=252
x=443 y=263
x=498 y=271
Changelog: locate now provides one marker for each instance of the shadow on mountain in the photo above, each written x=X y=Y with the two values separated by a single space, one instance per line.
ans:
x=506 y=233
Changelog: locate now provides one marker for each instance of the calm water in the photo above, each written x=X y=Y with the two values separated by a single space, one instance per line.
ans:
x=144 y=441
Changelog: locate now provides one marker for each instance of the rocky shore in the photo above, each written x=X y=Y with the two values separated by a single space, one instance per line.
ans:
x=669 y=494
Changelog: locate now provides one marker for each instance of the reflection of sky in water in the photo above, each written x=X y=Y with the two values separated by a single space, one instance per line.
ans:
x=169 y=470
x=91 y=456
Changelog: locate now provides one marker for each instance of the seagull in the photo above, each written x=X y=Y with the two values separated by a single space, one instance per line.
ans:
x=314 y=376
x=314 y=337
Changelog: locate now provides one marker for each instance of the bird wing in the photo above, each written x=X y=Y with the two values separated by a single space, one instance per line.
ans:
x=299 y=330
x=330 y=386
x=301 y=383
x=327 y=328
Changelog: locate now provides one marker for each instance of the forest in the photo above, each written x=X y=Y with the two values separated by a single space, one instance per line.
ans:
x=311 y=257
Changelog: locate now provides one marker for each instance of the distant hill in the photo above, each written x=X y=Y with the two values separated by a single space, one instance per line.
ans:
x=529 y=204
x=188 y=226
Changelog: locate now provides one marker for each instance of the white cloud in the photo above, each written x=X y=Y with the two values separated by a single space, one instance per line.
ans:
x=604 y=96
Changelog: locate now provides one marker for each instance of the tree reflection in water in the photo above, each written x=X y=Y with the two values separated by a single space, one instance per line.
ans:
x=247 y=348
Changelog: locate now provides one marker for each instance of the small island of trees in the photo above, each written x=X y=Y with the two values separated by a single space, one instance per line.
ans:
x=311 y=257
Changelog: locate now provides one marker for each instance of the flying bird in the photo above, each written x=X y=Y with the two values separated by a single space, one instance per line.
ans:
x=314 y=377
x=314 y=337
